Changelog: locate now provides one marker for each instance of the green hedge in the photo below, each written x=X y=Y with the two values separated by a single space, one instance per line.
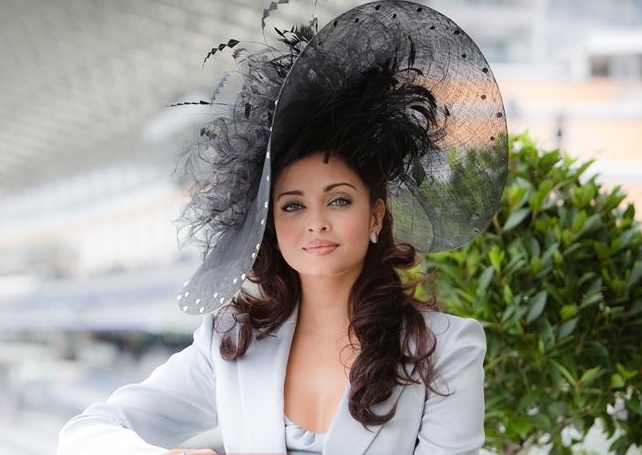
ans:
x=557 y=283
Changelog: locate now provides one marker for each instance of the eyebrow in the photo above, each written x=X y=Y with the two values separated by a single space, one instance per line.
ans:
x=325 y=190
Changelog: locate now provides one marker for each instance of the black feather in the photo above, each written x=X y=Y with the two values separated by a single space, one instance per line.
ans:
x=230 y=44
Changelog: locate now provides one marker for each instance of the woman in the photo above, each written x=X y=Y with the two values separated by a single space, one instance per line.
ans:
x=388 y=113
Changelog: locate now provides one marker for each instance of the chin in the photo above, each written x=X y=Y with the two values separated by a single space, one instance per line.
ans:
x=327 y=271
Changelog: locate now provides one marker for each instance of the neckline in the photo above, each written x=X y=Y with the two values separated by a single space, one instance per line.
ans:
x=290 y=422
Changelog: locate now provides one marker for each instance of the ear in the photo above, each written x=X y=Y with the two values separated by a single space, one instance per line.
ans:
x=378 y=212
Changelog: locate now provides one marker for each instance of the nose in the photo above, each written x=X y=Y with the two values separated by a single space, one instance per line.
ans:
x=317 y=222
x=318 y=228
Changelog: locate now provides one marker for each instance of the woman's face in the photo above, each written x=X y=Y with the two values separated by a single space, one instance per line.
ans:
x=323 y=217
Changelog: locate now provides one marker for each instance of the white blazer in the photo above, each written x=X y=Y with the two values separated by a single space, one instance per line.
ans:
x=196 y=390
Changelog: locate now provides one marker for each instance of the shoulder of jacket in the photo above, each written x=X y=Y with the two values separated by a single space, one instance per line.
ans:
x=445 y=326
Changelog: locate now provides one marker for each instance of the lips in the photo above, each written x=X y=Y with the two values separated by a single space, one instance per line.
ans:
x=320 y=248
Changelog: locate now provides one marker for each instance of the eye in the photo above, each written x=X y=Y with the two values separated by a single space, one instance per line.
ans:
x=341 y=200
x=292 y=206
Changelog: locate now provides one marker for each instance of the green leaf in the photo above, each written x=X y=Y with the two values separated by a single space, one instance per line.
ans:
x=578 y=222
x=636 y=273
x=522 y=425
x=537 y=199
x=558 y=408
x=567 y=328
x=616 y=381
x=564 y=372
x=634 y=405
x=568 y=311
x=536 y=306
x=591 y=299
x=484 y=280
x=626 y=373
x=516 y=218
x=601 y=249
x=536 y=264
x=549 y=159
x=591 y=375
x=496 y=256
x=592 y=224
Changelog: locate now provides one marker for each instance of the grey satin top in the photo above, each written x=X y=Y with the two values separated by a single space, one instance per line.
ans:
x=300 y=441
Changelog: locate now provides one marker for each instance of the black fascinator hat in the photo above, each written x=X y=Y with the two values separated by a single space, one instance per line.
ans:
x=398 y=86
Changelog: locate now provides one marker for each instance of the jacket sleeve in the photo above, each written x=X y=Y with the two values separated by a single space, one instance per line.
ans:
x=453 y=420
x=175 y=403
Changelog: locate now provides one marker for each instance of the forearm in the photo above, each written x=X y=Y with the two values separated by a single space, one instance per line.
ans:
x=96 y=435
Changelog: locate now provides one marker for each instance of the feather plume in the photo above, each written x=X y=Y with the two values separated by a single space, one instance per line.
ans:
x=382 y=120
x=220 y=168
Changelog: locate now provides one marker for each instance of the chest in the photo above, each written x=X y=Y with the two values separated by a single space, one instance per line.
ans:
x=316 y=377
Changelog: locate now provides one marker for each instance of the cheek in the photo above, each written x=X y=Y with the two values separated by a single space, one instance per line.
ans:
x=287 y=237
x=285 y=231
x=356 y=231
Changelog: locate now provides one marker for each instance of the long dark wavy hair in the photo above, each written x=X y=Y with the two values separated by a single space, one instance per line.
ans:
x=380 y=127
x=384 y=316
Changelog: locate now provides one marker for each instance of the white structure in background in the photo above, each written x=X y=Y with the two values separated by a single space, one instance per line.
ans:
x=615 y=54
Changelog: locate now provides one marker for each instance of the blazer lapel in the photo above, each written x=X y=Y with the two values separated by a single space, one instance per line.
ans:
x=346 y=436
x=261 y=374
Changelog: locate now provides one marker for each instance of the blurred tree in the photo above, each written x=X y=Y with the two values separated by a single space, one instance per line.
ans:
x=556 y=282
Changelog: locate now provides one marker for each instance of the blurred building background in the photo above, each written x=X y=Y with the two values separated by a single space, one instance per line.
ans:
x=89 y=253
